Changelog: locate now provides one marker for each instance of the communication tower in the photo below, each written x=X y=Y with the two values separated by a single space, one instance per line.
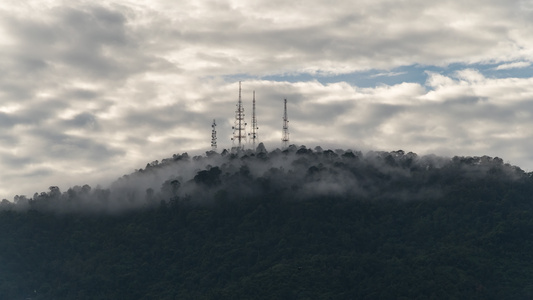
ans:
x=254 y=125
x=285 y=135
x=239 y=129
x=214 y=136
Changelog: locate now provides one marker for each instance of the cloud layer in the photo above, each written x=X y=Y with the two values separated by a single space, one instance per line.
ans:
x=89 y=92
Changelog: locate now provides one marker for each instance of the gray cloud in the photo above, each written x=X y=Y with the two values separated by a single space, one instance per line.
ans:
x=83 y=120
x=7 y=121
x=93 y=89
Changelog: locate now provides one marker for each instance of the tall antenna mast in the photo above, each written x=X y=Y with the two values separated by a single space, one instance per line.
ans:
x=239 y=129
x=254 y=124
x=214 y=136
x=285 y=136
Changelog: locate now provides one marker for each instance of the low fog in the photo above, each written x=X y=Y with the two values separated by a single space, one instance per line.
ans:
x=293 y=174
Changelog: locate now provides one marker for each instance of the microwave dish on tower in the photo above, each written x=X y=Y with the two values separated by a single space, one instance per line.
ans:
x=214 y=136
x=254 y=124
x=239 y=129
x=285 y=134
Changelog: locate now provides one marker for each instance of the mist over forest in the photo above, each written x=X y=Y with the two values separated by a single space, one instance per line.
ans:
x=89 y=87
x=294 y=174
x=294 y=224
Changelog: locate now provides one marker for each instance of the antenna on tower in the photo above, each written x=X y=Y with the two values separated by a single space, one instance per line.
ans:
x=254 y=124
x=239 y=129
x=214 y=136
x=285 y=135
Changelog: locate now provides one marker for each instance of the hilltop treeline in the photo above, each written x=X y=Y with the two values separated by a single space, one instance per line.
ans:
x=297 y=173
x=295 y=224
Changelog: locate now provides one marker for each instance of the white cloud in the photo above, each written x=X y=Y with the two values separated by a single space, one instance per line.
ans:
x=514 y=65
x=96 y=90
x=387 y=74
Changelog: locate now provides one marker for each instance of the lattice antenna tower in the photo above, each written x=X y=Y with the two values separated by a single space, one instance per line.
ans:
x=254 y=124
x=285 y=135
x=239 y=129
x=214 y=136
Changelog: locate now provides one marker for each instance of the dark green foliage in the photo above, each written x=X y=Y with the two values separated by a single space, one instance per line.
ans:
x=472 y=244
x=415 y=228
x=209 y=177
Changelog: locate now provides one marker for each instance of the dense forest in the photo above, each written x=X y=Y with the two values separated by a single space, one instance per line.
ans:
x=294 y=224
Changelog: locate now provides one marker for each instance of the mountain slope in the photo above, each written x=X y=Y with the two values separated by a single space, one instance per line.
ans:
x=247 y=228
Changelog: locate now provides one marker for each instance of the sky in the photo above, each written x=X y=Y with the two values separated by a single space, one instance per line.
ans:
x=92 y=90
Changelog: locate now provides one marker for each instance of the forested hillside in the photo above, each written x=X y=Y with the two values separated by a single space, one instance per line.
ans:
x=294 y=224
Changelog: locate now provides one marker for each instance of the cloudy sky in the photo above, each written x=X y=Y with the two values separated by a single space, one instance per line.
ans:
x=90 y=92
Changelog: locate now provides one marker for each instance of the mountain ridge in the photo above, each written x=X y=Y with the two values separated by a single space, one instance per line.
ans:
x=412 y=228
x=298 y=171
